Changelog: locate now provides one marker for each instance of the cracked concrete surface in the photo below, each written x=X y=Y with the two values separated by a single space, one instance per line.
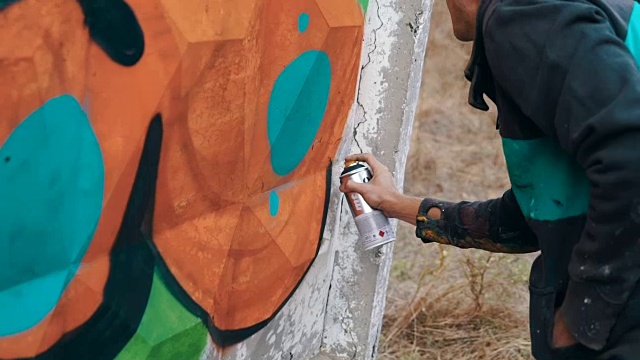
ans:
x=336 y=312
x=385 y=107
x=374 y=36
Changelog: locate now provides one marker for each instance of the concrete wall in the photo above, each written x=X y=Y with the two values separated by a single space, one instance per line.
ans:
x=337 y=311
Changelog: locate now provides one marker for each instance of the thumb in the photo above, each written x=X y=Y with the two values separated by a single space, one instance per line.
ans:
x=352 y=186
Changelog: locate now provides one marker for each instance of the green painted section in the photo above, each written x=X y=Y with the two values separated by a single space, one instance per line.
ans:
x=547 y=182
x=364 y=4
x=633 y=33
x=137 y=348
x=187 y=345
x=167 y=330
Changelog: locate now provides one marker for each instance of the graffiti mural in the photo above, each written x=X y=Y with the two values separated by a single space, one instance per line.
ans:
x=164 y=168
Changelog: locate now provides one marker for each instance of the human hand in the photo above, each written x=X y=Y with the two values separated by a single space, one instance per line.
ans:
x=381 y=191
x=562 y=337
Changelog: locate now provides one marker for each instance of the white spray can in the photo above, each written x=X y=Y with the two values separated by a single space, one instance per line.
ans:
x=373 y=226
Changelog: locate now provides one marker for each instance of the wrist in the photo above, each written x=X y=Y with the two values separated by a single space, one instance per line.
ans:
x=402 y=207
x=391 y=203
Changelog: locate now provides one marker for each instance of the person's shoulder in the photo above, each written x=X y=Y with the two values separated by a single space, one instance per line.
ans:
x=541 y=15
x=533 y=8
x=538 y=17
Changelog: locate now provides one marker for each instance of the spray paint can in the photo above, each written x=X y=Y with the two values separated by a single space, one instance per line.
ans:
x=373 y=226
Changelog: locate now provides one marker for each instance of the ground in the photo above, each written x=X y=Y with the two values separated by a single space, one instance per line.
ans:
x=445 y=303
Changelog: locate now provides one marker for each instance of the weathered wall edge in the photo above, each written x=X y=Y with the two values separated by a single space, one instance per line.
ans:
x=393 y=56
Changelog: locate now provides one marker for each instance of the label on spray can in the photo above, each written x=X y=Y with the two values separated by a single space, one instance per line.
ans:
x=374 y=228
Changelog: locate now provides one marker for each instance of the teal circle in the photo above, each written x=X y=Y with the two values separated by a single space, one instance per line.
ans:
x=297 y=106
x=274 y=203
x=303 y=22
x=52 y=188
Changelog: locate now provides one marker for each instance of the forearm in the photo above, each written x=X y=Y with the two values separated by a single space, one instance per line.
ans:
x=405 y=208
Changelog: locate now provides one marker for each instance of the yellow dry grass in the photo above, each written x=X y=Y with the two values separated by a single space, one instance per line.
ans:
x=445 y=303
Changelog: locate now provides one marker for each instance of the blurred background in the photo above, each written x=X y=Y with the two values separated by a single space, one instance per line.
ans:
x=442 y=302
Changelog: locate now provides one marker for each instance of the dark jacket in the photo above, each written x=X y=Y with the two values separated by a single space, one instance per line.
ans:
x=567 y=87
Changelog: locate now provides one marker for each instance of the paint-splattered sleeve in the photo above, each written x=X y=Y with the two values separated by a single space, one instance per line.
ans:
x=495 y=225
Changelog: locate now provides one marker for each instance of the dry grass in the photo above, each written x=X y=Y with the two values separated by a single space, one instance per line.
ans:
x=469 y=318
x=447 y=332
x=446 y=303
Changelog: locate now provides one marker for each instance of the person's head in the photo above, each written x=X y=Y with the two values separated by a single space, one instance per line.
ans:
x=463 y=17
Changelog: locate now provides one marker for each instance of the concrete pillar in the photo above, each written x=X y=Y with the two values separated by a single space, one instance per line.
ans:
x=393 y=56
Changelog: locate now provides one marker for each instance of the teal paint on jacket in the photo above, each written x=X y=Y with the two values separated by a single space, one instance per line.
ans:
x=547 y=182
x=633 y=32
x=51 y=191
x=296 y=108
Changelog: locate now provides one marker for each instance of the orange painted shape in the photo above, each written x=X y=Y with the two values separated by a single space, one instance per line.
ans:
x=295 y=276
x=298 y=219
x=60 y=57
x=81 y=298
x=215 y=113
x=17 y=73
x=207 y=20
x=200 y=171
x=25 y=344
x=182 y=195
x=218 y=157
x=34 y=23
x=122 y=101
x=339 y=13
x=40 y=57
x=251 y=287
x=277 y=32
x=114 y=204
x=196 y=252
x=196 y=58
x=93 y=274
